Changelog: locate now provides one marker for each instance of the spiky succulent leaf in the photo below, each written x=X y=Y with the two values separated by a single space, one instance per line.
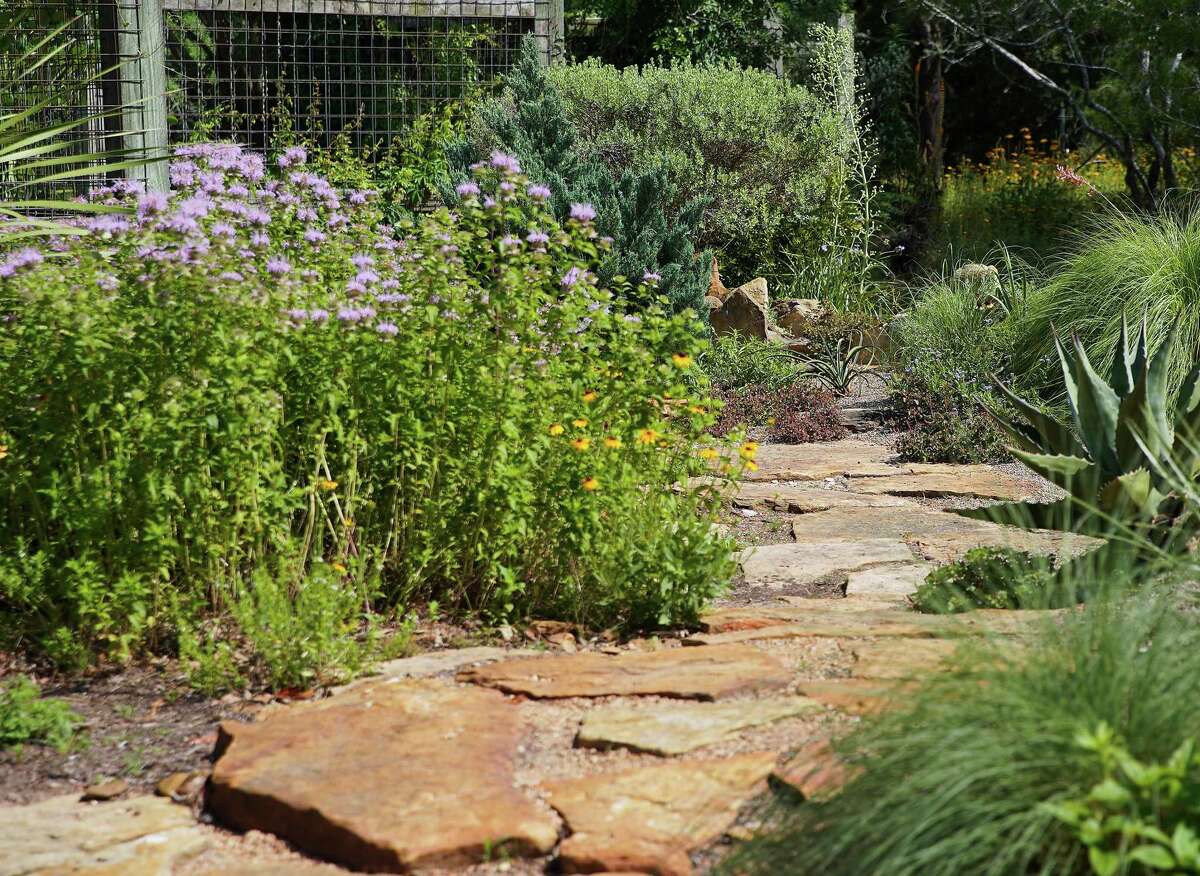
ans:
x=1076 y=475
x=1121 y=379
x=1096 y=409
x=1044 y=433
x=1144 y=410
x=1131 y=495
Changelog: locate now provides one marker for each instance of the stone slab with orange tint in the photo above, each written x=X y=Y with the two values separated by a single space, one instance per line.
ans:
x=384 y=778
x=648 y=820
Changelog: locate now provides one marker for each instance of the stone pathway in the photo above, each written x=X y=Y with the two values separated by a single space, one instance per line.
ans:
x=487 y=760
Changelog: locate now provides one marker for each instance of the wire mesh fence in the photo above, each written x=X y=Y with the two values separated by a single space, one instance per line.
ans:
x=239 y=69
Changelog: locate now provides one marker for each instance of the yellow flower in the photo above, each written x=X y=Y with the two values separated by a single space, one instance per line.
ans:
x=682 y=360
x=581 y=443
x=709 y=453
x=580 y=423
x=751 y=465
x=612 y=443
x=749 y=449
x=3 y=450
x=339 y=568
x=696 y=409
x=327 y=485
x=557 y=429
x=590 y=484
x=589 y=396
x=647 y=436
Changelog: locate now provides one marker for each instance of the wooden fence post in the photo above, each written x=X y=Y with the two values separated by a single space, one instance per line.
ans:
x=141 y=45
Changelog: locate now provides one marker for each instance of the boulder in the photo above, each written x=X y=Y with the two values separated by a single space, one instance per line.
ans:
x=793 y=313
x=742 y=314
x=756 y=291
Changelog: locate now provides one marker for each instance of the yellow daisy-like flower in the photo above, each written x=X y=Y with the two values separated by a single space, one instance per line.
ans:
x=327 y=485
x=709 y=453
x=696 y=409
x=3 y=450
x=557 y=429
x=591 y=484
x=612 y=443
x=589 y=396
x=682 y=360
x=581 y=443
x=339 y=568
x=749 y=449
x=580 y=423
x=647 y=436
x=751 y=465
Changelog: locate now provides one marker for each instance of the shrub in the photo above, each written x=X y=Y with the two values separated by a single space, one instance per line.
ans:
x=1125 y=265
x=765 y=157
x=732 y=362
x=257 y=368
x=952 y=781
x=794 y=413
x=530 y=121
x=1139 y=817
x=941 y=425
x=987 y=578
x=26 y=717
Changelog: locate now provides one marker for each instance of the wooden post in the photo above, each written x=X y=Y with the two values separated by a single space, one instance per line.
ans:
x=141 y=45
x=550 y=30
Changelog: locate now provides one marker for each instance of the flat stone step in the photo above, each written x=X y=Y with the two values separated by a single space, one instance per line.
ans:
x=801 y=498
x=901 y=658
x=677 y=728
x=782 y=566
x=854 y=696
x=923 y=479
x=894 y=579
x=685 y=673
x=826 y=459
x=138 y=835
x=648 y=820
x=384 y=778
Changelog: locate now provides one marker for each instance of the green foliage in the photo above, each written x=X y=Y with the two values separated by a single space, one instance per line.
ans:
x=836 y=364
x=26 y=717
x=987 y=578
x=1140 y=817
x=942 y=425
x=1115 y=453
x=1124 y=263
x=652 y=230
x=793 y=413
x=441 y=407
x=765 y=157
x=732 y=362
x=952 y=780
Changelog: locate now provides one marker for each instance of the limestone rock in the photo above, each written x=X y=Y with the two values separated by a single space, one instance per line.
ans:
x=853 y=696
x=901 y=658
x=827 y=459
x=138 y=836
x=431 y=663
x=685 y=673
x=677 y=728
x=797 y=610
x=742 y=314
x=815 y=771
x=716 y=289
x=886 y=624
x=900 y=579
x=387 y=777
x=802 y=498
x=647 y=820
x=793 y=314
x=756 y=291
x=925 y=479
x=792 y=565
x=106 y=790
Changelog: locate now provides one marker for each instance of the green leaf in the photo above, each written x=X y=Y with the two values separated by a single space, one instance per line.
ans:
x=1097 y=410
x=1121 y=378
x=1154 y=857
x=1074 y=474
x=1110 y=792
x=1186 y=845
x=1130 y=495
x=1103 y=863
x=1056 y=437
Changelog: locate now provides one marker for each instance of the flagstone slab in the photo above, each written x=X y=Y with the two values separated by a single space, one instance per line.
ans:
x=648 y=820
x=429 y=664
x=899 y=579
x=853 y=696
x=925 y=479
x=815 y=771
x=940 y=536
x=685 y=673
x=677 y=728
x=826 y=459
x=800 y=498
x=139 y=836
x=890 y=624
x=794 y=609
x=384 y=778
x=901 y=658
x=795 y=564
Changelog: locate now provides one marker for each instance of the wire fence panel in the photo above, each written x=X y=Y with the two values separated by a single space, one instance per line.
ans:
x=239 y=69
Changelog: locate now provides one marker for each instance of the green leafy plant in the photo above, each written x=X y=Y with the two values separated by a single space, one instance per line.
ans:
x=732 y=362
x=1112 y=456
x=25 y=716
x=836 y=365
x=794 y=413
x=951 y=778
x=1140 y=817
x=987 y=577
x=941 y=425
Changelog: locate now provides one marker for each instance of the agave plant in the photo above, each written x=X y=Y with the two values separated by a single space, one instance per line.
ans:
x=36 y=153
x=1122 y=452
x=837 y=365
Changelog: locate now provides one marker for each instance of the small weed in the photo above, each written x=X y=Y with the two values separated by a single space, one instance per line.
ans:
x=26 y=717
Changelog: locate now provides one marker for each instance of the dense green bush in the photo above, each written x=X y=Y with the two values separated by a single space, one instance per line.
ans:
x=941 y=424
x=1124 y=265
x=25 y=716
x=256 y=368
x=794 y=413
x=731 y=362
x=530 y=121
x=953 y=780
x=987 y=578
x=765 y=156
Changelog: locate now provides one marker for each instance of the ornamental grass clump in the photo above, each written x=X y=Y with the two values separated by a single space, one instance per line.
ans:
x=255 y=367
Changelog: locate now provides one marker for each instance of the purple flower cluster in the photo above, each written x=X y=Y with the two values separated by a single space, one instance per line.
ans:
x=22 y=258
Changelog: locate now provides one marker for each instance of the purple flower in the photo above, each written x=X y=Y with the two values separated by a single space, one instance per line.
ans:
x=583 y=212
x=357 y=198
x=362 y=260
x=278 y=266
x=298 y=314
x=336 y=219
x=306 y=214
x=505 y=162
x=212 y=182
x=510 y=242
x=313 y=235
x=389 y=329
x=224 y=229
x=231 y=277
x=318 y=315
x=651 y=277
x=507 y=189
x=108 y=283
x=538 y=192
x=349 y=314
x=489 y=202
x=571 y=277
x=238 y=190
x=293 y=156
x=151 y=202
x=108 y=223
x=539 y=238
x=260 y=239
x=356 y=287
x=467 y=190
x=366 y=277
